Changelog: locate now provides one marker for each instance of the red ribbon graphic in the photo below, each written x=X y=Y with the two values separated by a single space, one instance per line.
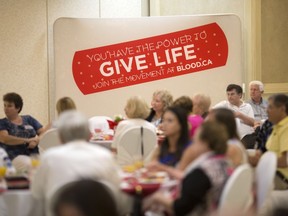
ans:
x=148 y=59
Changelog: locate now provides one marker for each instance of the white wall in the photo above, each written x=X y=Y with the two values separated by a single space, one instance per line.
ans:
x=23 y=54
x=26 y=57
x=26 y=34
x=197 y=7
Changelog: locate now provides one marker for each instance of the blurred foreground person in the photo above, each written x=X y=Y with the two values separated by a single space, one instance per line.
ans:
x=204 y=178
x=74 y=160
x=85 y=198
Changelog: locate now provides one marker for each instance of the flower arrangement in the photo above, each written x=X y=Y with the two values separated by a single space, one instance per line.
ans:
x=118 y=118
x=113 y=124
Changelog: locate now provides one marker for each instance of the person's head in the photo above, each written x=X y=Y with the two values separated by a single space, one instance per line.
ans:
x=84 y=198
x=277 y=108
x=73 y=125
x=174 y=125
x=136 y=107
x=184 y=102
x=256 y=89
x=161 y=100
x=234 y=94
x=13 y=104
x=226 y=117
x=201 y=104
x=175 y=122
x=64 y=104
x=212 y=136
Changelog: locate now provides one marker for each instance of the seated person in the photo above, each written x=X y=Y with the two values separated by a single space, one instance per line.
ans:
x=258 y=103
x=243 y=113
x=85 y=198
x=19 y=134
x=201 y=104
x=63 y=104
x=194 y=121
x=204 y=179
x=160 y=101
x=236 y=152
x=73 y=160
x=136 y=110
x=175 y=129
x=278 y=140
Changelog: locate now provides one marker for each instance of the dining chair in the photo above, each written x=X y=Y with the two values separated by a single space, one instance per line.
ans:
x=99 y=123
x=264 y=176
x=22 y=163
x=136 y=143
x=49 y=139
x=237 y=191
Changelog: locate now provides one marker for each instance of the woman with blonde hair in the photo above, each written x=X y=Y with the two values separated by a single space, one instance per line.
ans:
x=64 y=104
x=161 y=100
x=136 y=110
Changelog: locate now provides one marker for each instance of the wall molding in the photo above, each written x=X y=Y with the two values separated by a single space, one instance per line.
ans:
x=274 y=88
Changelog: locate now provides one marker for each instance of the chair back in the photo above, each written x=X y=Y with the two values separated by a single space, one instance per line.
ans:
x=99 y=123
x=265 y=173
x=237 y=191
x=49 y=139
x=136 y=143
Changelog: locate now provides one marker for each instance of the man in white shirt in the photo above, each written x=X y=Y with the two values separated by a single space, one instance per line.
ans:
x=243 y=113
x=76 y=159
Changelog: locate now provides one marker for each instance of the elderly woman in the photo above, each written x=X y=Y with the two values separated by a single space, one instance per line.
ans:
x=136 y=110
x=204 y=178
x=18 y=133
x=160 y=101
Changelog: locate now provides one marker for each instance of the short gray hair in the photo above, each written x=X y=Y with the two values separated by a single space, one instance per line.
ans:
x=258 y=83
x=73 y=125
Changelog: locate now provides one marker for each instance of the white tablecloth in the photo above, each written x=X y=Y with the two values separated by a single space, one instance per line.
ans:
x=19 y=203
x=105 y=143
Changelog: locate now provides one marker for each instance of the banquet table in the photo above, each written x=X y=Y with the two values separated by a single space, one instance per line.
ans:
x=137 y=187
x=104 y=143
x=19 y=203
